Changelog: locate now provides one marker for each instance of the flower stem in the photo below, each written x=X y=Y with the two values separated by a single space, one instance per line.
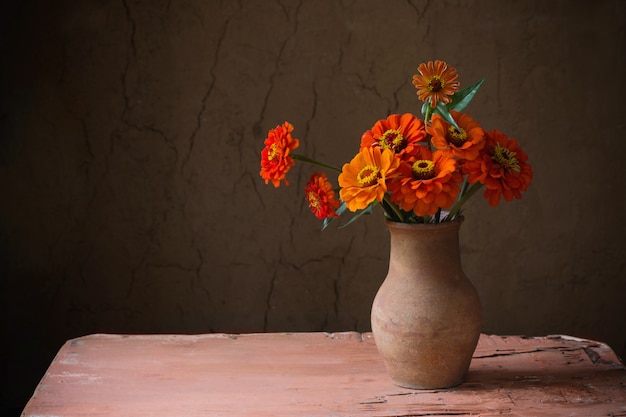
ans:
x=388 y=205
x=464 y=188
x=466 y=196
x=314 y=162
x=428 y=113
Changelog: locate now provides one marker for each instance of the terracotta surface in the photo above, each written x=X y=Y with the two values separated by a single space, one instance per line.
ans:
x=426 y=316
x=319 y=374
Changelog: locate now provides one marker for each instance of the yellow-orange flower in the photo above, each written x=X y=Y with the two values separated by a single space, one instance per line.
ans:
x=275 y=158
x=502 y=167
x=399 y=132
x=435 y=82
x=464 y=144
x=321 y=197
x=426 y=185
x=364 y=179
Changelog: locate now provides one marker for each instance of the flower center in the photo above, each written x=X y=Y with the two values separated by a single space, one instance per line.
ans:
x=272 y=152
x=506 y=158
x=435 y=84
x=368 y=176
x=314 y=200
x=456 y=137
x=392 y=139
x=423 y=169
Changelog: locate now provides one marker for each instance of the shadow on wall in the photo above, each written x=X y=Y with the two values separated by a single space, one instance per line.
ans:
x=129 y=157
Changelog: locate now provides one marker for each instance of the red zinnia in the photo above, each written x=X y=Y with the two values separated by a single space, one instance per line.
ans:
x=428 y=184
x=502 y=167
x=464 y=144
x=321 y=197
x=275 y=159
x=435 y=82
x=400 y=133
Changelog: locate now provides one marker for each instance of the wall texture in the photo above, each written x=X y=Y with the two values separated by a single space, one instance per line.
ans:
x=129 y=159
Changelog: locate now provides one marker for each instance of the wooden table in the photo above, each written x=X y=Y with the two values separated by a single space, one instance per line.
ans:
x=319 y=374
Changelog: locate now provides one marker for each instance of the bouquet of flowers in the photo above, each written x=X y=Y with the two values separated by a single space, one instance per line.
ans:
x=417 y=171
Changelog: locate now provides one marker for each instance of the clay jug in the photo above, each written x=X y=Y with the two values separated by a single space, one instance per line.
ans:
x=426 y=316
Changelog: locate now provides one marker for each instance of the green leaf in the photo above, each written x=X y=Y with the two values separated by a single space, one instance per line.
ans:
x=366 y=210
x=443 y=111
x=462 y=98
x=425 y=107
x=342 y=208
x=326 y=222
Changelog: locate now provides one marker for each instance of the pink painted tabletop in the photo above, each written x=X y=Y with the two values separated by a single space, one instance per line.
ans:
x=319 y=374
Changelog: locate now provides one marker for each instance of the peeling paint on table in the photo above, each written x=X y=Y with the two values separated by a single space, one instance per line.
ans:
x=319 y=374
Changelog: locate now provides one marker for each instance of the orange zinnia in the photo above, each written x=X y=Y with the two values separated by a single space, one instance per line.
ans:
x=321 y=197
x=400 y=133
x=364 y=179
x=436 y=82
x=427 y=185
x=502 y=167
x=463 y=144
x=275 y=159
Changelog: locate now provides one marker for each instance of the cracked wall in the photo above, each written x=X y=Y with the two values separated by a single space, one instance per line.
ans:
x=131 y=134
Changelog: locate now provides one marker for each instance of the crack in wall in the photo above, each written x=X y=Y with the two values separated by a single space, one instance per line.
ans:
x=268 y=299
x=258 y=125
x=208 y=92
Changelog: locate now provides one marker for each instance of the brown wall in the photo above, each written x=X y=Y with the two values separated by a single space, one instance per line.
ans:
x=131 y=132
